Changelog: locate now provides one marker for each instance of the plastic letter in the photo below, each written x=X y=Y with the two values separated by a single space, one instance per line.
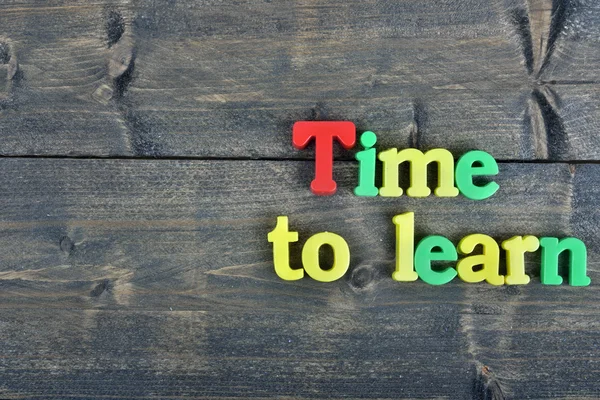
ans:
x=341 y=257
x=390 y=186
x=425 y=254
x=490 y=259
x=281 y=238
x=405 y=247
x=515 y=258
x=465 y=172
x=324 y=133
x=551 y=248
x=366 y=166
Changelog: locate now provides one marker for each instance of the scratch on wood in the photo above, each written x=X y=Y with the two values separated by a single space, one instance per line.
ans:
x=560 y=11
x=418 y=124
x=487 y=386
x=553 y=131
x=119 y=75
x=121 y=59
x=245 y=271
x=550 y=140
x=319 y=112
x=520 y=20
x=115 y=27
x=68 y=273
x=100 y=288
x=8 y=62
x=66 y=245
x=540 y=17
x=540 y=28
x=538 y=129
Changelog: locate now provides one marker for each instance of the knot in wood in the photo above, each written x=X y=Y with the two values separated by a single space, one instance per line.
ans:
x=121 y=57
x=66 y=244
x=361 y=277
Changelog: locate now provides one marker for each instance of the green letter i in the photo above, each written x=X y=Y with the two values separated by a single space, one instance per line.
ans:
x=366 y=166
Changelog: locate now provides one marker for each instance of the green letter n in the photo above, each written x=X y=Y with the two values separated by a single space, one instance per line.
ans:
x=551 y=249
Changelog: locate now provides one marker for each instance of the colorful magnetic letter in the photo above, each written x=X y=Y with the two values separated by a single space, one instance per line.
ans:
x=341 y=257
x=366 y=166
x=405 y=247
x=424 y=255
x=515 y=258
x=324 y=133
x=392 y=158
x=551 y=248
x=281 y=238
x=490 y=259
x=465 y=172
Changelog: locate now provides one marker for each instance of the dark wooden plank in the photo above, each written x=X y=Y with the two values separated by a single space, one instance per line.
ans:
x=61 y=51
x=229 y=79
x=562 y=111
x=154 y=279
x=572 y=112
x=573 y=51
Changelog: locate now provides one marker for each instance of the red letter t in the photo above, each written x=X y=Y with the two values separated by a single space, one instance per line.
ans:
x=324 y=132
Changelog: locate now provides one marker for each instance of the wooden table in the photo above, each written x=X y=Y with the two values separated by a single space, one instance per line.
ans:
x=146 y=153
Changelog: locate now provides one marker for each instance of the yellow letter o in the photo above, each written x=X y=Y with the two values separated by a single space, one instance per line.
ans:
x=341 y=257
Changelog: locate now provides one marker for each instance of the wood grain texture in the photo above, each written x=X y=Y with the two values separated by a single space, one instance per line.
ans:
x=152 y=278
x=573 y=46
x=124 y=278
x=228 y=79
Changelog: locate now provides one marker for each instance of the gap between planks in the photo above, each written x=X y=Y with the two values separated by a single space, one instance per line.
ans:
x=282 y=159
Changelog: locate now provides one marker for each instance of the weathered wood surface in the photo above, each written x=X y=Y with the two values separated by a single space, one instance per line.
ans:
x=199 y=78
x=154 y=278
x=138 y=278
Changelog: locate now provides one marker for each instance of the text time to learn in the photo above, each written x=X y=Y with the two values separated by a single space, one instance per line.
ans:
x=413 y=262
